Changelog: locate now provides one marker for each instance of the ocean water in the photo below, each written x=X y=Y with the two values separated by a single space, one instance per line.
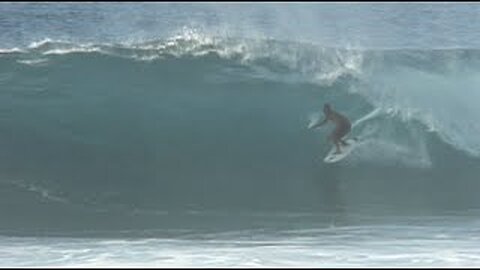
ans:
x=176 y=134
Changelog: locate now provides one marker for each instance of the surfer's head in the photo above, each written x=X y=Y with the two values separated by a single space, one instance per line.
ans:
x=327 y=108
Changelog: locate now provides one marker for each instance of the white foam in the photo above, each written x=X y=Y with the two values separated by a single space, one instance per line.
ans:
x=344 y=246
x=70 y=50
x=33 y=62
x=445 y=103
x=37 y=44
x=11 y=50
x=310 y=62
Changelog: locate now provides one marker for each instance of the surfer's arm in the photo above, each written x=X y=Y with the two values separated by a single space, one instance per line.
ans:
x=319 y=124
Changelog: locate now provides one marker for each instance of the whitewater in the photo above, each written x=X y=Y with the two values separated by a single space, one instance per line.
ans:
x=176 y=134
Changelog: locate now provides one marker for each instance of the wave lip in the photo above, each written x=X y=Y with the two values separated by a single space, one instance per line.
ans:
x=303 y=58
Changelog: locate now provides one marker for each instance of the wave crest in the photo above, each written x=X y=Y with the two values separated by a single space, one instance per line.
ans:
x=436 y=88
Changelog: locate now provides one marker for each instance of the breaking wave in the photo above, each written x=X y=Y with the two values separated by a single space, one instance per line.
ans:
x=199 y=121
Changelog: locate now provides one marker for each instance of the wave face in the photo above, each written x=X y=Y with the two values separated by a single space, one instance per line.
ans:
x=90 y=131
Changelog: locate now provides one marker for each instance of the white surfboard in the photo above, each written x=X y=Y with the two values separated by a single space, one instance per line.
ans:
x=345 y=151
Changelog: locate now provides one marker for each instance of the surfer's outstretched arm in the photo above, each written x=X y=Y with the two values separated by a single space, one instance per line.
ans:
x=319 y=124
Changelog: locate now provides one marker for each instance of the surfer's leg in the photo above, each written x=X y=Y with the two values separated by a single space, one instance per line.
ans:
x=337 y=145
x=334 y=140
x=337 y=138
x=341 y=132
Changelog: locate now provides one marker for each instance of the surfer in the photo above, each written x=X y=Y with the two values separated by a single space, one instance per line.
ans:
x=342 y=126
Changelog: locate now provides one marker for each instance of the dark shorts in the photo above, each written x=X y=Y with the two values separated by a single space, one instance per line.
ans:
x=341 y=131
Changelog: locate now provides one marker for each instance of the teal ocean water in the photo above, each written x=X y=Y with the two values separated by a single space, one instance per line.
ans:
x=175 y=134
